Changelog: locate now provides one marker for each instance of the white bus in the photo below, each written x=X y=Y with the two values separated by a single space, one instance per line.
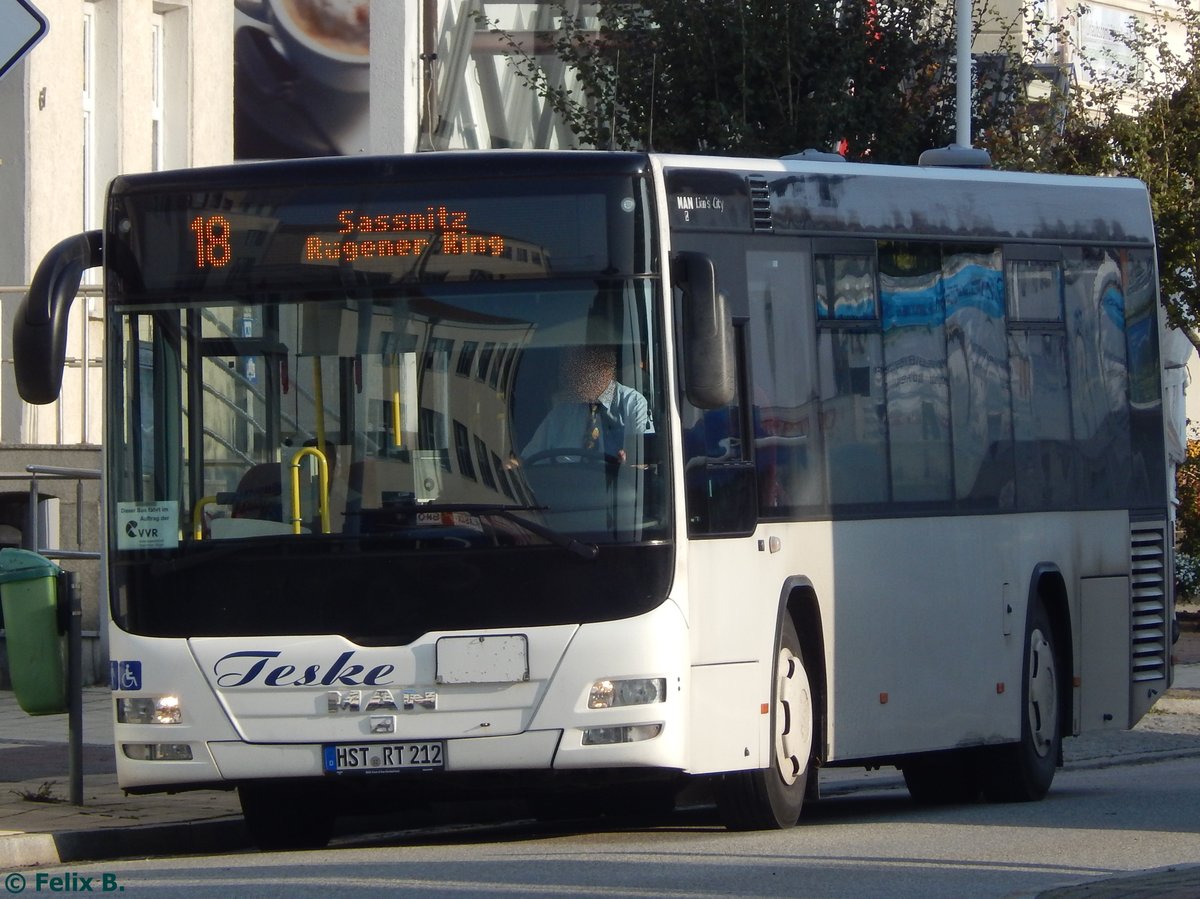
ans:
x=878 y=479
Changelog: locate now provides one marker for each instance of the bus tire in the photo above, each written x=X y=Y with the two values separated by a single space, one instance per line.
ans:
x=771 y=798
x=286 y=816
x=1023 y=771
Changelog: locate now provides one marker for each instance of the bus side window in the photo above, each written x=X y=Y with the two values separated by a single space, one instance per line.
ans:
x=788 y=452
x=718 y=473
x=912 y=311
x=976 y=367
x=1148 y=481
x=719 y=479
x=853 y=417
x=1037 y=351
x=1094 y=301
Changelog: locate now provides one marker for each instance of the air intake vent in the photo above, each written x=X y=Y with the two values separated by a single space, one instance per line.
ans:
x=760 y=203
x=1151 y=609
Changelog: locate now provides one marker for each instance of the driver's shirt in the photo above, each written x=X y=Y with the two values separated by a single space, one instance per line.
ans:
x=623 y=412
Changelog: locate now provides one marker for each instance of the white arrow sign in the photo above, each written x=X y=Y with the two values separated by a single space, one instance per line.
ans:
x=21 y=26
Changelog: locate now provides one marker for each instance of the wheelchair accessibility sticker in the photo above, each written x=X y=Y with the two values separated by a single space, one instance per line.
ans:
x=148 y=525
x=125 y=675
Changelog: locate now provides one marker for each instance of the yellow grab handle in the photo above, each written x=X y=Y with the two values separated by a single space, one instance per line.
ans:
x=392 y=389
x=198 y=516
x=323 y=477
x=396 y=419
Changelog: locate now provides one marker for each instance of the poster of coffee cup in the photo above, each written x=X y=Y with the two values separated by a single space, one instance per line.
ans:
x=301 y=79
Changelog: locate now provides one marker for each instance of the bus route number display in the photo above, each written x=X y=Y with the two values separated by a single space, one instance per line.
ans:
x=213 y=247
x=360 y=235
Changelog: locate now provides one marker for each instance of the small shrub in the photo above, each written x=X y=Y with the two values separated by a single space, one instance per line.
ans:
x=44 y=793
x=1187 y=575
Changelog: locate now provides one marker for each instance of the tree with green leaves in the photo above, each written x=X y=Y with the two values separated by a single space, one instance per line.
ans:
x=756 y=77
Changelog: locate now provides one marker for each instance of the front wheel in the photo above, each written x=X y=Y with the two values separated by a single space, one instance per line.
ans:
x=771 y=798
x=1023 y=771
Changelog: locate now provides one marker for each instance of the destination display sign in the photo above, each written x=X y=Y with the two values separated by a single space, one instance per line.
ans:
x=372 y=234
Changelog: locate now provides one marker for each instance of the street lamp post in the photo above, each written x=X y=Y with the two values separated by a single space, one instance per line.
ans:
x=962 y=99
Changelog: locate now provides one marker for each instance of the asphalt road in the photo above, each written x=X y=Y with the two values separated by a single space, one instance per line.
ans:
x=1097 y=824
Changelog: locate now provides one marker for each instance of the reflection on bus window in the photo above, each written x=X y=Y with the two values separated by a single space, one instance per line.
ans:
x=378 y=387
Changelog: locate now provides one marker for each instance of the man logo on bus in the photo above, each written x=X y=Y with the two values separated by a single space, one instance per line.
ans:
x=388 y=700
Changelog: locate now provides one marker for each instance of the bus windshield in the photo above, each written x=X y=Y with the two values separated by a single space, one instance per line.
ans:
x=410 y=417
x=273 y=403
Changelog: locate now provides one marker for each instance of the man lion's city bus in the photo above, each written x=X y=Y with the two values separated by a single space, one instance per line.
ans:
x=902 y=498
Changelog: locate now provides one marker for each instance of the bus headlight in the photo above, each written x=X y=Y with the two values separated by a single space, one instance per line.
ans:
x=149 y=710
x=607 y=694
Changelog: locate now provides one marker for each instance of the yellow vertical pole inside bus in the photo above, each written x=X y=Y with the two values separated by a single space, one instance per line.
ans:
x=394 y=367
x=391 y=390
x=323 y=486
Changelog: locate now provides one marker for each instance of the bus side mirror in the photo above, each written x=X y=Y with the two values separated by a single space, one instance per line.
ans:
x=40 y=326
x=709 y=365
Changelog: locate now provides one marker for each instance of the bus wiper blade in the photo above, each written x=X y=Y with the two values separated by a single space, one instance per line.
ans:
x=578 y=547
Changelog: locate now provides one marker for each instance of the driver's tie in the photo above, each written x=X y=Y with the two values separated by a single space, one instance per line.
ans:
x=591 y=435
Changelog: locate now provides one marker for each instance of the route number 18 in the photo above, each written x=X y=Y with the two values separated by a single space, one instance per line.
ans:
x=213 y=249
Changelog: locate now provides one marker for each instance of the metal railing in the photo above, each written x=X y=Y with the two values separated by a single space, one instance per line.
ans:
x=30 y=537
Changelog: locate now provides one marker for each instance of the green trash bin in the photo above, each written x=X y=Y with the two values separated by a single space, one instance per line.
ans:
x=36 y=651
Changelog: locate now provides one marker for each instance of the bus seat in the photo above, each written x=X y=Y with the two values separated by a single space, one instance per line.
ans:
x=259 y=493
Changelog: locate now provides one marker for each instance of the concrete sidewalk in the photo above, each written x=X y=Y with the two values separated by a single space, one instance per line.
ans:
x=38 y=826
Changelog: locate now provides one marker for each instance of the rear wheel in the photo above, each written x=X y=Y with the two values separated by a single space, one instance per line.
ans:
x=286 y=815
x=1023 y=771
x=771 y=798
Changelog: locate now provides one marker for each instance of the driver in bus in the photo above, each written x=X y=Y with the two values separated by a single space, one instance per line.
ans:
x=594 y=412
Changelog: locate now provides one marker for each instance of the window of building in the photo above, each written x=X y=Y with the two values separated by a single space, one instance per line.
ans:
x=156 y=93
